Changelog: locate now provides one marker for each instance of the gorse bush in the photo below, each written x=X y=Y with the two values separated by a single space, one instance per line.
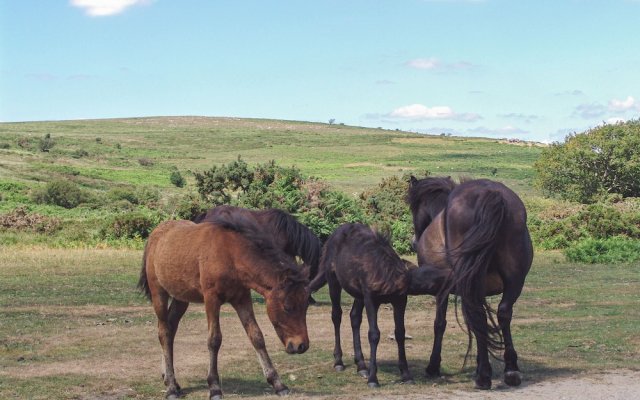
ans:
x=177 y=179
x=604 y=251
x=61 y=193
x=558 y=229
x=130 y=225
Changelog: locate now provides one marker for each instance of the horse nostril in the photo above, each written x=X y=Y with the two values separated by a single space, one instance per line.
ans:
x=302 y=348
x=290 y=348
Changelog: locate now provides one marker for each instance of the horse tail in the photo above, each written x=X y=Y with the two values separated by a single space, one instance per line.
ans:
x=329 y=251
x=143 y=283
x=301 y=241
x=471 y=260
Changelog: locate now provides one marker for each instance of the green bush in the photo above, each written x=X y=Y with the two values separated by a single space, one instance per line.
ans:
x=79 y=153
x=592 y=164
x=177 y=179
x=129 y=226
x=604 y=251
x=61 y=193
x=559 y=228
x=123 y=193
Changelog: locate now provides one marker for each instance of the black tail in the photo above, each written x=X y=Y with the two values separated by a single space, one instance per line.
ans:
x=472 y=259
x=328 y=256
x=143 y=284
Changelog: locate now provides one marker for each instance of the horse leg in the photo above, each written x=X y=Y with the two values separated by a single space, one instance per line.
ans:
x=480 y=329
x=356 y=321
x=512 y=375
x=439 y=326
x=244 y=308
x=177 y=309
x=214 y=341
x=160 y=306
x=399 y=307
x=371 y=307
x=336 y=317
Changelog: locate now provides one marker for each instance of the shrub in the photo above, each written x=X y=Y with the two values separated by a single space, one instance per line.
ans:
x=46 y=143
x=129 y=226
x=123 y=193
x=177 y=179
x=594 y=163
x=61 y=193
x=604 y=251
x=21 y=219
x=145 y=162
x=79 y=153
x=188 y=206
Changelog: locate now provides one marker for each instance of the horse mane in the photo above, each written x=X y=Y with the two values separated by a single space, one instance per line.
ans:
x=260 y=241
x=428 y=188
x=301 y=241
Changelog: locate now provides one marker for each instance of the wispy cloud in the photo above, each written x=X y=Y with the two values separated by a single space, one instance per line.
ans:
x=528 y=118
x=575 y=92
x=41 y=76
x=589 y=110
x=420 y=112
x=505 y=131
x=385 y=82
x=103 y=8
x=434 y=64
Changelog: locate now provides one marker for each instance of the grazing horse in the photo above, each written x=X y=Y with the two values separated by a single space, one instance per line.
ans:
x=477 y=232
x=292 y=237
x=220 y=262
x=362 y=262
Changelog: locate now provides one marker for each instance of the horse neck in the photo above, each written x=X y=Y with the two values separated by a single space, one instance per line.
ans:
x=258 y=275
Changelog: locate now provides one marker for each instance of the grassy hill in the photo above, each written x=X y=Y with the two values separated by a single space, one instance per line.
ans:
x=113 y=160
x=102 y=153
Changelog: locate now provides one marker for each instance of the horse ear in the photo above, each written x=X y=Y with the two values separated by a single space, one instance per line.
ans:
x=412 y=180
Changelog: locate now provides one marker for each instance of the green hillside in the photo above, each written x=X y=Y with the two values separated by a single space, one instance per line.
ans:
x=102 y=153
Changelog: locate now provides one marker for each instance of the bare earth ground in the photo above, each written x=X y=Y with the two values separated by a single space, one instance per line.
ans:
x=121 y=352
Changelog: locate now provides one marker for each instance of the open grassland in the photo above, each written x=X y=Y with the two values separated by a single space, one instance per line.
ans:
x=104 y=153
x=73 y=326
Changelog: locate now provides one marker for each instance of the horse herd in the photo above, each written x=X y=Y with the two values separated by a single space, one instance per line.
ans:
x=471 y=239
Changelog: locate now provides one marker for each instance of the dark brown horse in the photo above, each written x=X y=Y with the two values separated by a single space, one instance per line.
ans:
x=292 y=237
x=220 y=262
x=477 y=232
x=362 y=262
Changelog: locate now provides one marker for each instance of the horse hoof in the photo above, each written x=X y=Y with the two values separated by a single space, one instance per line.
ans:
x=172 y=397
x=373 y=385
x=338 y=368
x=513 y=378
x=216 y=397
x=432 y=372
x=483 y=385
x=363 y=373
x=283 y=392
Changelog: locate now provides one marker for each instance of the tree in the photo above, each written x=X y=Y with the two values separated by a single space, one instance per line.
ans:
x=604 y=160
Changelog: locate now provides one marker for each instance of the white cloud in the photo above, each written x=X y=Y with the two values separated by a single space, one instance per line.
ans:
x=615 y=120
x=434 y=64
x=418 y=112
x=102 y=8
x=589 y=110
x=623 y=105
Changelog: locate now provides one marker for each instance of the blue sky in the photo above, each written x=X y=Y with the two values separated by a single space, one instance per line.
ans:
x=533 y=70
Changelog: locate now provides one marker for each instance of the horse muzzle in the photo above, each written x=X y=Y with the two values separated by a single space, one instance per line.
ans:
x=297 y=348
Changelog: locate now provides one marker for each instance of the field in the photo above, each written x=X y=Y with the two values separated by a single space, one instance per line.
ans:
x=73 y=326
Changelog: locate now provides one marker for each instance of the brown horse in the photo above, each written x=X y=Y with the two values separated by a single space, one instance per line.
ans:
x=292 y=237
x=477 y=232
x=220 y=262
x=362 y=262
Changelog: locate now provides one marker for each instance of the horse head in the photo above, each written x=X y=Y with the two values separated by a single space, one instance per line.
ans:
x=287 y=309
x=427 y=198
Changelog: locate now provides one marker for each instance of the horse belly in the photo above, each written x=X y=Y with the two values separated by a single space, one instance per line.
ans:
x=493 y=284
